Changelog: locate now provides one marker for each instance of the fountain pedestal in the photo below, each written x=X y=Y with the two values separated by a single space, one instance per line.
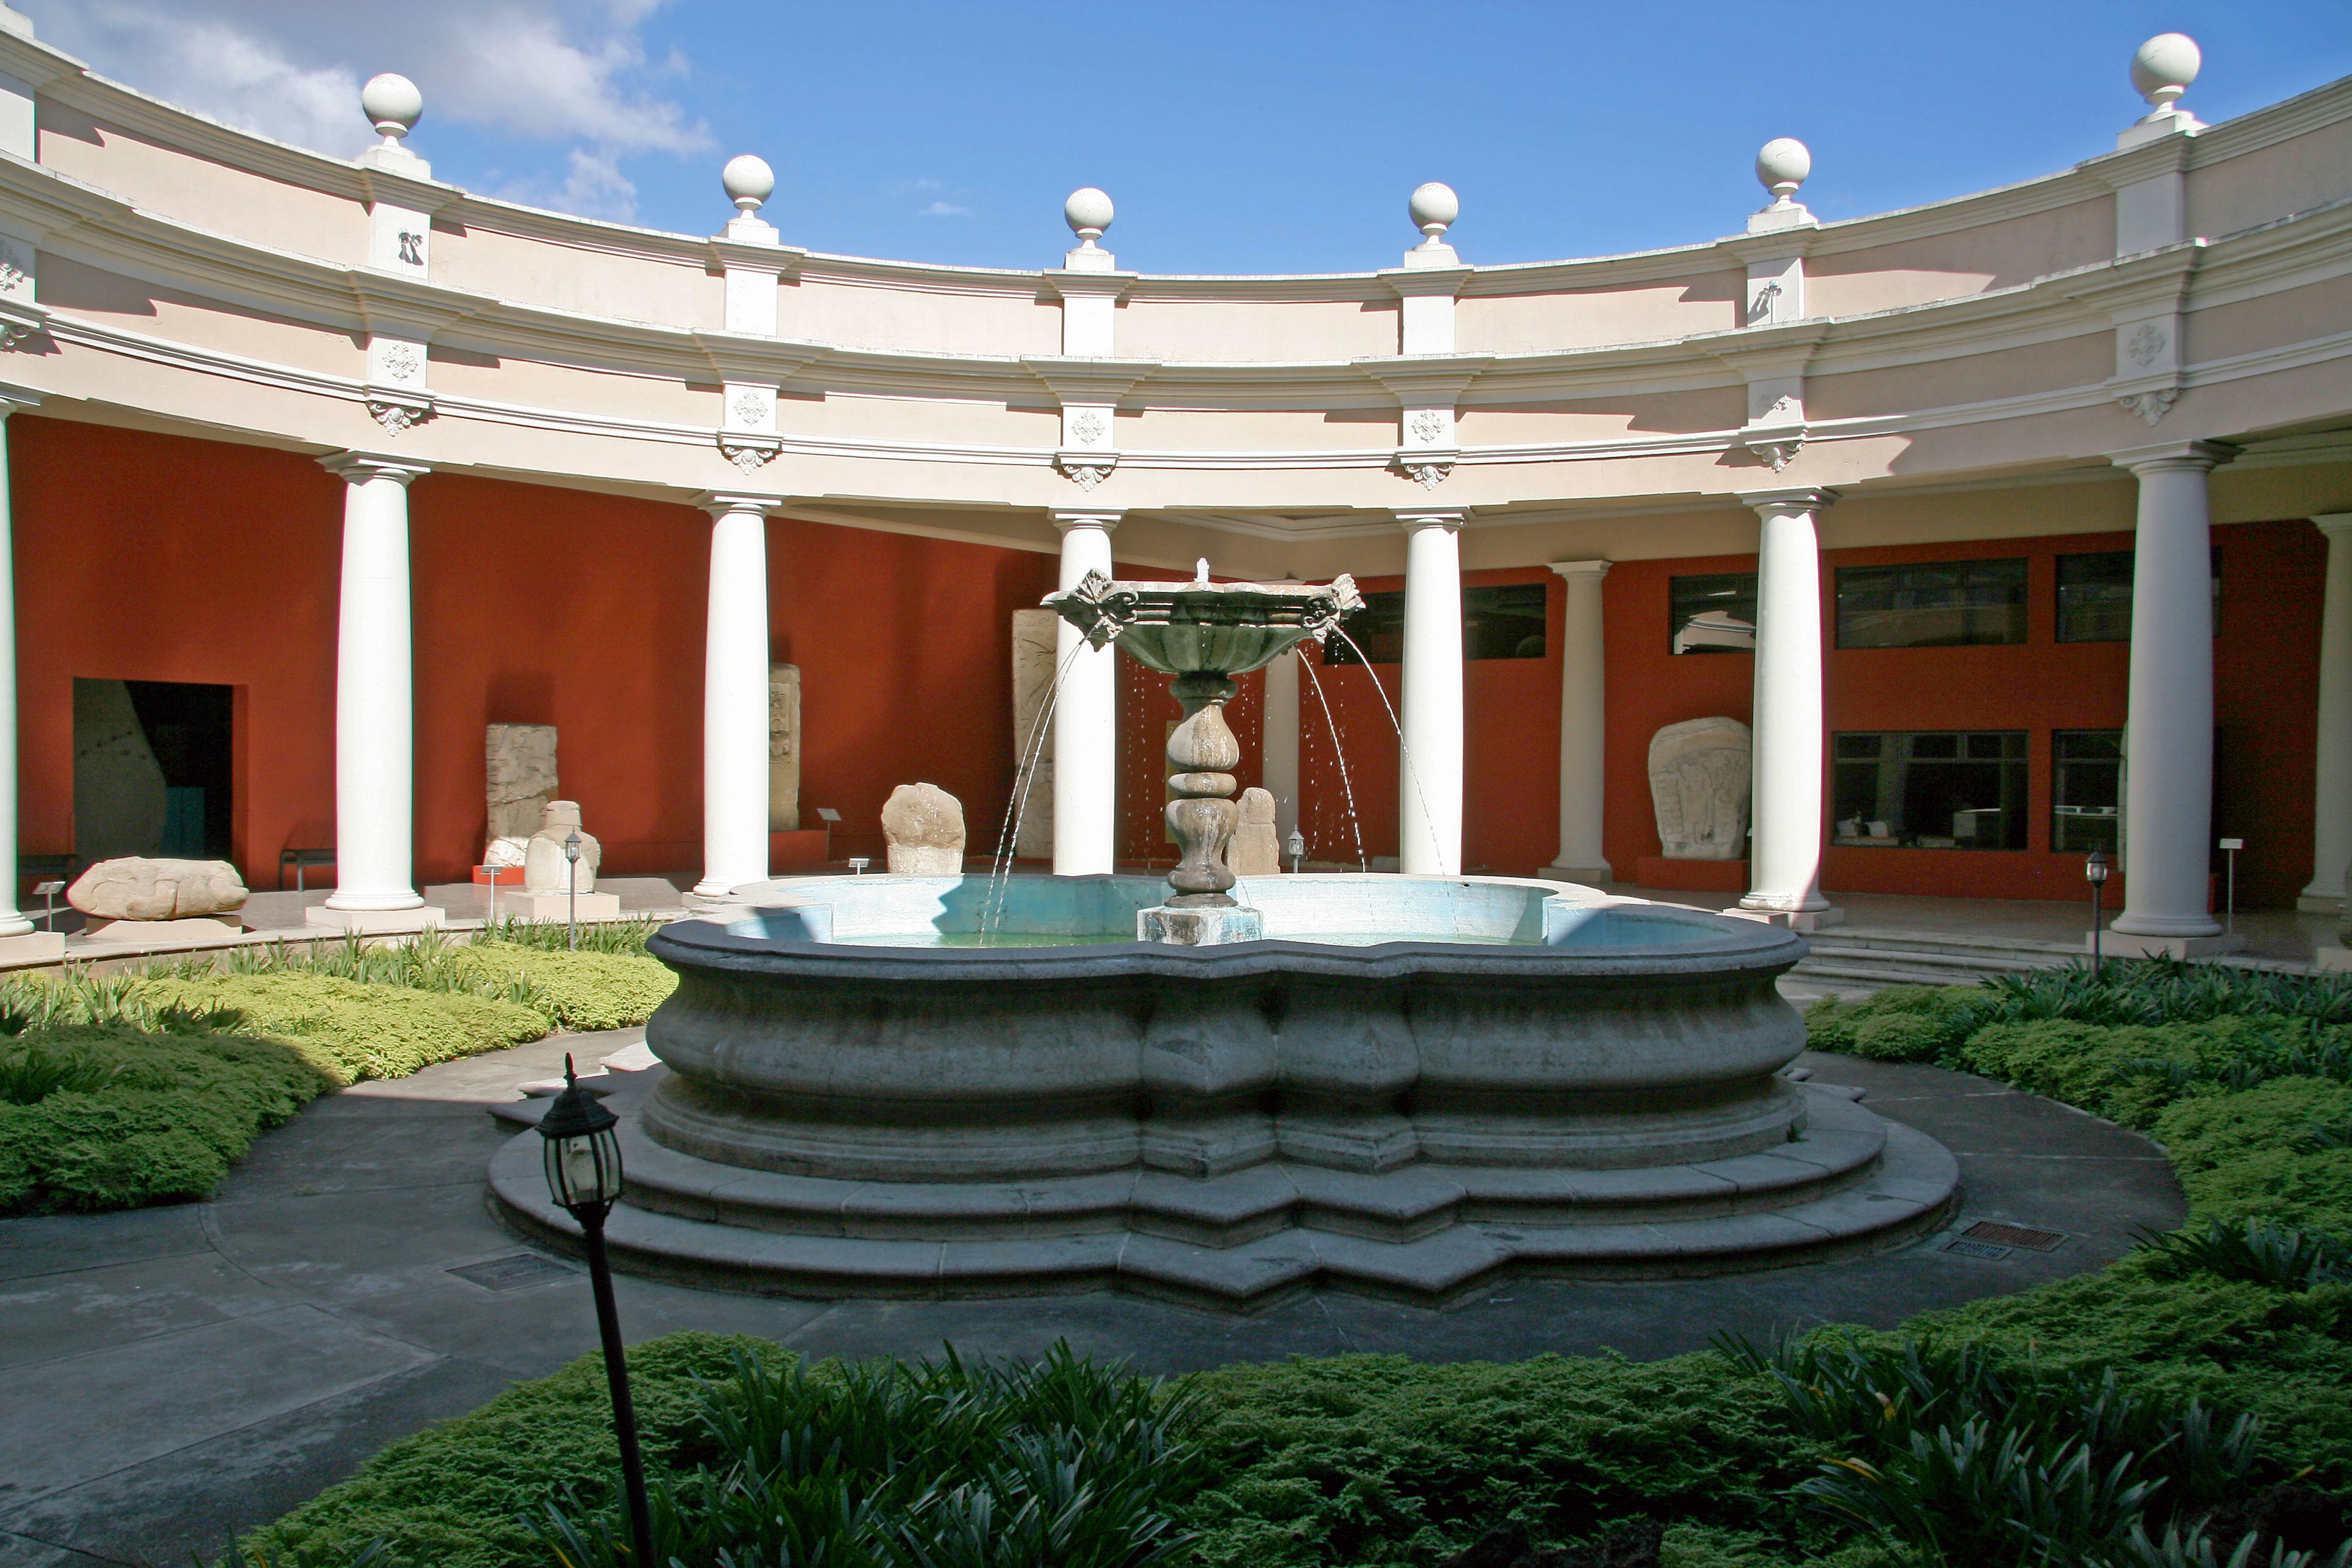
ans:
x=1202 y=818
x=1198 y=927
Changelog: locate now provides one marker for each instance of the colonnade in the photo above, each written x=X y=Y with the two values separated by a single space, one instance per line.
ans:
x=2168 y=746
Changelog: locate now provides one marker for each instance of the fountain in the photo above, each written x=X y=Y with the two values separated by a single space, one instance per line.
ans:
x=1225 y=1090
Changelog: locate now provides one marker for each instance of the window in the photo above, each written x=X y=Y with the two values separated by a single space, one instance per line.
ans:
x=1930 y=789
x=1931 y=604
x=2086 y=790
x=1505 y=622
x=2095 y=597
x=1712 y=614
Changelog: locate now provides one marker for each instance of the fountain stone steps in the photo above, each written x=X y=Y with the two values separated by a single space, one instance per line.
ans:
x=1429 y=1235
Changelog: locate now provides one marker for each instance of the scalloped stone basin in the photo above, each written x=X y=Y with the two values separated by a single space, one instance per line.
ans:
x=1411 y=1086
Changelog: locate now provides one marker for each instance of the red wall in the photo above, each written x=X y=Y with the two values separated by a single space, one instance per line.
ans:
x=2265 y=687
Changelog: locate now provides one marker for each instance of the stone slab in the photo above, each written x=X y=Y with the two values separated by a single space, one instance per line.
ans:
x=2124 y=945
x=557 y=908
x=195 y=928
x=374 y=923
x=32 y=947
x=2333 y=960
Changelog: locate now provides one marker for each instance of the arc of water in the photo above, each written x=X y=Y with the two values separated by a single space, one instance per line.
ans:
x=1346 y=784
x=1405 y=753
x=1016 y=806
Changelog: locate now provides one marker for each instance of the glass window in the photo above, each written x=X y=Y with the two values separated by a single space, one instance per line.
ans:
x=1930 y=789
x=1714 y=614
x=2095 y=597
x=2086 y=777
x=1931 y=604
x=1503 y=622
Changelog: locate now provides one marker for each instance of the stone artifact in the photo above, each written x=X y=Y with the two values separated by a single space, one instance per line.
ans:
x=1699 y=780
x=544 y=867
x=119 y=798
x=1256 y=851
x=783 y=748
x=138 y=889
x=925 y=826
x=1034 y=656
x=518 y=762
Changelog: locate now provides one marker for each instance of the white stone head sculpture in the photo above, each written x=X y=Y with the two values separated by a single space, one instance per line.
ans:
x=393 y=105
x=2162 y=68
x=1781 y=165
x=1089 y=212
x=748 y=182
x=1433 y=209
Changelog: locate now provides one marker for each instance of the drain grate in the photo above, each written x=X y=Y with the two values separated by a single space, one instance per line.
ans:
x=1967 y=1248
x=1999 y=1235
x=517 y=1273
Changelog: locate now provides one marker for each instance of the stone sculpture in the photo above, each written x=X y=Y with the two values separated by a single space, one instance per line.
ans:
x=783 y=748
x=924 y=824
x=545 y=868
x=1258 y=850
x=1699 y=782
x=1035 y=640
x=133 y=889
x=519 y=764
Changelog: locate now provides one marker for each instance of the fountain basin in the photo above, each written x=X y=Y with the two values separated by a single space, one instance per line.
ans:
x=1482 y=1074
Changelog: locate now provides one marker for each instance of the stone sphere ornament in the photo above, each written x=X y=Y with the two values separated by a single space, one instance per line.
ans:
x=748 y=182
x=1089 y=212
x=1783 y=165
x=2162 y=68
x=391 y=104
x=1433 y=209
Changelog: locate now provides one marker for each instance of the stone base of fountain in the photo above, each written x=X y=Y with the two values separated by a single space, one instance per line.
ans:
x=1198 y=927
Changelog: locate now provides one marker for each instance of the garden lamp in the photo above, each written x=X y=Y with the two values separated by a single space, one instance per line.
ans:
x=583 y=1177
x=572 y=898
x=1297 y=848
x=2095 y=871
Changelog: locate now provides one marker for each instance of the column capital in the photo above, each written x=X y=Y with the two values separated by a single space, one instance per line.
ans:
x=2201 y=456
x=1787 y=502
x=2335 y=524
x=722 y=503
x=1065 y=521
x=1413 y=521
x=12 y=397
x=359 y=467
x=1572 y=569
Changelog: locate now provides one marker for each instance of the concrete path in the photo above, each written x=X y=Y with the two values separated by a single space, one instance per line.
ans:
x=168 y=1377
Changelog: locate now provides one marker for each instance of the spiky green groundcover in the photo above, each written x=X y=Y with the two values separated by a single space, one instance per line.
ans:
x=583 y=991
x=2189 y=1403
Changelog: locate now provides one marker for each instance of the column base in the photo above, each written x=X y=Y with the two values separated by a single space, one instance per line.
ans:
x=2332 y=959
x=32 y=947
x=1794 y=920
x=2311 y=903
x=2128 y=944
x=1584 y=876
x=373 y=922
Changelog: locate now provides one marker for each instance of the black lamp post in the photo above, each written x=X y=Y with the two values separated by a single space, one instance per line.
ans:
x=2095 y=871
x=583 y=1176
x=571 y=895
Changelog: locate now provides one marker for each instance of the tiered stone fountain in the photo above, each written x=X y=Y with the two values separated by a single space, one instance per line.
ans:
x=1226 y=1091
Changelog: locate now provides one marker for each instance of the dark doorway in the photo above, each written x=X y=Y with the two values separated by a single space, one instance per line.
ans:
x=154 y=769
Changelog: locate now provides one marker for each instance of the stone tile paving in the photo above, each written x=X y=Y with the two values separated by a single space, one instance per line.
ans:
x=168 y=1377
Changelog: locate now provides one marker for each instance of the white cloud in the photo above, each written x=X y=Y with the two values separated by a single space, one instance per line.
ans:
x=542 y=70
x=944 y=209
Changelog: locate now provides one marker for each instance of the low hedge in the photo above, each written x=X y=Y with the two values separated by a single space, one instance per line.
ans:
x=352 y=1031
x=96 y=1118
x=581 y=990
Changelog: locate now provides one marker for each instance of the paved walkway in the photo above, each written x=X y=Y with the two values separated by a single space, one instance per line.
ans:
x=170 y=1375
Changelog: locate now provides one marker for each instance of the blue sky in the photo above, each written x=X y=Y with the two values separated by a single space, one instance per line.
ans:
x=1267 y=137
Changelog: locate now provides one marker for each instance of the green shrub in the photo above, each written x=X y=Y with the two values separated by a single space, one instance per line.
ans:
x=627 y=936
x=2151 y=991
x=352 y=1031
x=95 y=1118
x=2256 y=1252
x=2132 y=1073
x=582 y=990
x=1902 y=1022
x=2249 y=1156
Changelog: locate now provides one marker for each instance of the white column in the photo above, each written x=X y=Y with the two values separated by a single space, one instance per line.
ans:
x=2331 y=826
x=375 y=717
x=1085 y=716
x=1429 y=772
x=1582 y=712
x=2168 y=741
x=735 y=697
x=13 y=925
x=1280 y=768
x=1784 y=876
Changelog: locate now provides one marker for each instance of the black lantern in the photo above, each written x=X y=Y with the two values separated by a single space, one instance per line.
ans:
x=583 y=1177
x=2095 y=871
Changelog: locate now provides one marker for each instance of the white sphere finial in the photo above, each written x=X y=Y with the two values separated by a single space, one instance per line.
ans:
x=2163 y=67
x=1433 y=209
x=1089 y=212
x=393 y=105
x=748 y=182
x=1783 y=165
